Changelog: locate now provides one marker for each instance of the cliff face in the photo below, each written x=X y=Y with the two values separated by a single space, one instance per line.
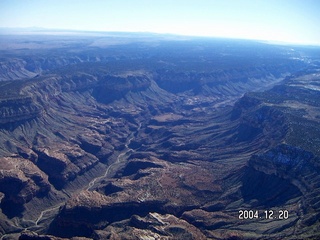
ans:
x=18 y=109
x=259 y=120
x=231 y=81
x=15 y=69
x=113 y=88
x=287 y=174
x=20 y=181
x=285 y=177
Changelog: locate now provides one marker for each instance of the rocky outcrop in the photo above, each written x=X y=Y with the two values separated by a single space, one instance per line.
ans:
x=18 y=109
x=90 y=210
x=91 y=143
x=295 y=165
x=152 y=226
x=28 y=235
x=225 y=81
x=97 y=211
x=112 y=88
x=259 y=120
x=20 y=181
x=65 y=164
x=207 y=220
x=145 y=186
x=134 y=166
x=15 y=69
x=285 y=177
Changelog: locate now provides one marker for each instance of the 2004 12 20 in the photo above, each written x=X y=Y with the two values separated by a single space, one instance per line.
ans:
x=263 y=214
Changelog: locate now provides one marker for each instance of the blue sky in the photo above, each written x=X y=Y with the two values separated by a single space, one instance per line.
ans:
x=296 y=21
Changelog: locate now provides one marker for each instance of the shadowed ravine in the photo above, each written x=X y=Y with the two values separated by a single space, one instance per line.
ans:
x=120 y=160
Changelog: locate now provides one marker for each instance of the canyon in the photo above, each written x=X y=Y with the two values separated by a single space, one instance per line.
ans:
x=128 y=136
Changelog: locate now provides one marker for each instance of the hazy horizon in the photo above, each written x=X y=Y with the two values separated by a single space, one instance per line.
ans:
x=287 y=21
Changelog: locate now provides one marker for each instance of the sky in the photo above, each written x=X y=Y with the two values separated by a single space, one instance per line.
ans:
x=293 y=21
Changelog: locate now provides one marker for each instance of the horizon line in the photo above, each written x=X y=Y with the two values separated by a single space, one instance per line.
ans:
x=61 y=32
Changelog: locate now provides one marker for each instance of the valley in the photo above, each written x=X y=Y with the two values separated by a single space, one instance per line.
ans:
x=157 y=137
